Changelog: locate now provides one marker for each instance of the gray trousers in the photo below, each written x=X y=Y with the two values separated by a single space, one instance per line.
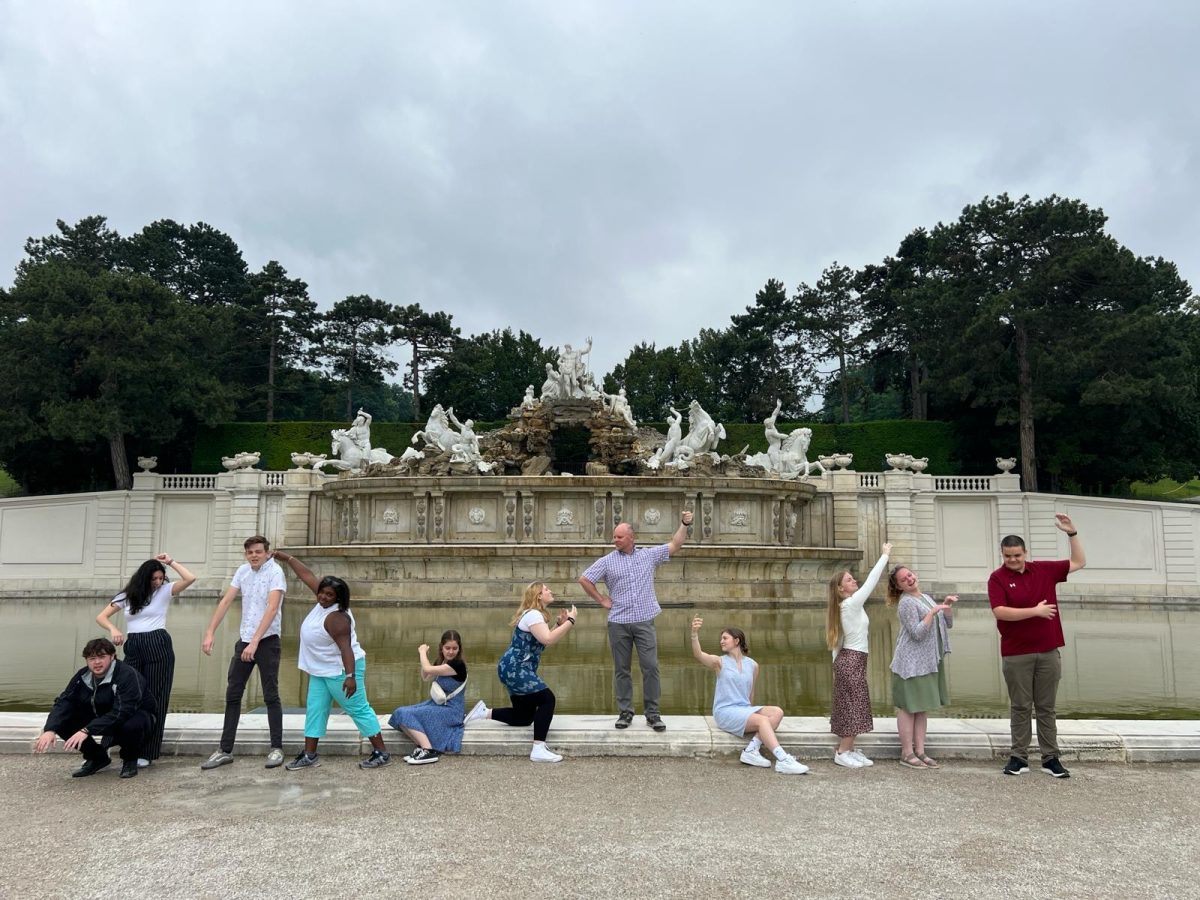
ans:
x=622 y=638
x=1032 y=680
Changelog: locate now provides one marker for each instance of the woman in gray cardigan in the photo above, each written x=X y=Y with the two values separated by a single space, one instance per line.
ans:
x=918 y=667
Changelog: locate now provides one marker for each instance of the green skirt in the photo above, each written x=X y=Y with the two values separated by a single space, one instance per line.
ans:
x=922 y=693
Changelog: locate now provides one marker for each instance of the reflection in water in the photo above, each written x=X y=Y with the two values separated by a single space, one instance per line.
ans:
x=1119 y=662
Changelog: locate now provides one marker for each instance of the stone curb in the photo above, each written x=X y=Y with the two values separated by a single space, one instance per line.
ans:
x=808 y=737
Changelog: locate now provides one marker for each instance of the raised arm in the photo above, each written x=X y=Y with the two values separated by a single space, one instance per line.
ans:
x=186 y=578
x=859 y=597
x=680 y=535
x=1064 y=524
x=705 y=659
x=303 y=572
x=548 y=636
x=428 y=670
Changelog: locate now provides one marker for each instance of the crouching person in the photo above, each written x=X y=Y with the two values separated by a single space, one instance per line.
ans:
x=105 y=703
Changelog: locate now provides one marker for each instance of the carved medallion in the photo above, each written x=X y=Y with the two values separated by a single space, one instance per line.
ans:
x=476 y=515
x=564 y=517
x=651 y=516
x=739 y=518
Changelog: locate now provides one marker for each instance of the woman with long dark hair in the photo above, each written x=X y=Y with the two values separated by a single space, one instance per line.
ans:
x=336 y=665
x=435 y=726
x=146 y=601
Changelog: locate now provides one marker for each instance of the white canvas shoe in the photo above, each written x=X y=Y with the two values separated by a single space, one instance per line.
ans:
x=754 y=758
x=478 y=711
x=847 y=760
x=858 y=754
x=542 y=753
x=790 y=766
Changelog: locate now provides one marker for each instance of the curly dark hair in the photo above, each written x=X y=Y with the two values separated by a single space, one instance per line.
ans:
x=140 y=588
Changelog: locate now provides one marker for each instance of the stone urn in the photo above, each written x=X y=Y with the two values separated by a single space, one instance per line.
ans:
x=827 y=462
x=1006 y=463
x=898 y=461
x=248 y=460
x=146 y=463
x=918 y=465
x=300 y=460
x=231 y=463
x=843 y=460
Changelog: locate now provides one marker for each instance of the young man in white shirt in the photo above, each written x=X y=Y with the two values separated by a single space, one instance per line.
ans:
x=262 y=584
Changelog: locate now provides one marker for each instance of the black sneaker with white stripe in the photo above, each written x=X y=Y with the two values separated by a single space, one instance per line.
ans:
x=1016 y=766
x=421 y=757
x=1054 y=768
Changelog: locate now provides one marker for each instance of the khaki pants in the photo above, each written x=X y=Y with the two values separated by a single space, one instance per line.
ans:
x=1032 y=680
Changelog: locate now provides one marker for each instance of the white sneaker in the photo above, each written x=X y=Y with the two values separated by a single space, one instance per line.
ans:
x=478 y=711
x=542 y=753
x=858 y=754
x=274 y=759
x=754 y=758
x=143 y=763
x=848 y=759
x=790 y=766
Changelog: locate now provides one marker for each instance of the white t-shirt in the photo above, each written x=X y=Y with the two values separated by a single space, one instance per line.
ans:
x=255 y=588
x=150 y=617
x=531 y=617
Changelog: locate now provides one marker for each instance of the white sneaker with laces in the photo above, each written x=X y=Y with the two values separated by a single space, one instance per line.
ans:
x=274 y=759
x=754 y=758
x=847 y=760
x=478 y=711
x=858 y=754
x=143 y=763
x=542 y=753
x=790 y=766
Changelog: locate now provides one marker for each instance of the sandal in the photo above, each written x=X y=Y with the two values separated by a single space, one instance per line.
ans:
x=930 y=763
x=912 y=761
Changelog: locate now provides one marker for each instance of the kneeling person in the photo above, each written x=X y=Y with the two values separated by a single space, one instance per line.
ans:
x=106 y=699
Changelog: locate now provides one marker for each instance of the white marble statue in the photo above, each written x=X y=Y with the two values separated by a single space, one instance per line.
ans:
x=528 y=401
x=352 y=447
x=551 y=387
x=437 y=432
x=787 y=454
x=445 y=434
x=703 y=436
x=618 y=404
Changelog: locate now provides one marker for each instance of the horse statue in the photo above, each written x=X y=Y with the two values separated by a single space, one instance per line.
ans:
x=787 y=454
x=437 y=432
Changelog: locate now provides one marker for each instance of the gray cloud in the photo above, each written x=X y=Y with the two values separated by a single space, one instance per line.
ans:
x=626 y=170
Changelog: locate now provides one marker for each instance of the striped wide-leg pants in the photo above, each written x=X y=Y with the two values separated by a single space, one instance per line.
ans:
x=152 y=655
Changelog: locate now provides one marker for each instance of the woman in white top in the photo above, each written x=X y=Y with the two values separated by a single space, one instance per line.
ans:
x=336 y=665
x=148 y=649
x=846 y=634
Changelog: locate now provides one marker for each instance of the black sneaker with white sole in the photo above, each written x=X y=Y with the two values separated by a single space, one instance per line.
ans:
x=1016 y=766
x=421 y=757
x=1054 y=768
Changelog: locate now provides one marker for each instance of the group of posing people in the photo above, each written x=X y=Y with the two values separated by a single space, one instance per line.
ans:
x=124 y=702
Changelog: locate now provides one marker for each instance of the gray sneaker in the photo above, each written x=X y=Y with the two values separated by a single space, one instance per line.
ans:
x=274 y=759
x=219 y=758
x=377 y=760
x=304 y=761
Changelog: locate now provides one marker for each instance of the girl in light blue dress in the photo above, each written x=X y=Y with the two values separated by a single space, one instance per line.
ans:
x=436 y=728
x=733 y=701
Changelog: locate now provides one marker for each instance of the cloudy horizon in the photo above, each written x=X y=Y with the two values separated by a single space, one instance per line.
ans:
x=626 y=171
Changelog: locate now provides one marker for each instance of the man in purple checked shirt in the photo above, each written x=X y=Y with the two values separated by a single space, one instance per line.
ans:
x=628 y=573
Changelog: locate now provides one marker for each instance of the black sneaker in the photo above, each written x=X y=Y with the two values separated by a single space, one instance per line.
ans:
x=624 y=720
x=377 y=760
x=129 y=768
x=421 y=757
x=1053 y=767
x=91 y=766
x=654 y=720
x=1016 y=766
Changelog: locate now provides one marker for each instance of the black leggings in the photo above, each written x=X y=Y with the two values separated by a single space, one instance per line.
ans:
x=537 y=708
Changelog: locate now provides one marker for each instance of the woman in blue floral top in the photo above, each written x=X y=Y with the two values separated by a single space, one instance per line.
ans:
x=532 y=700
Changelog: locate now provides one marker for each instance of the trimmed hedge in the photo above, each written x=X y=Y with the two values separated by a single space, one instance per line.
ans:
x=868 y=441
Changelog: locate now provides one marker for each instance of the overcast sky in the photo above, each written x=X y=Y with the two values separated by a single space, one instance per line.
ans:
x=626 y=170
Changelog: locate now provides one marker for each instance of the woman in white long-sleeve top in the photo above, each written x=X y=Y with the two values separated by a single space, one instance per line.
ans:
x=846 y=633
x=918 y=667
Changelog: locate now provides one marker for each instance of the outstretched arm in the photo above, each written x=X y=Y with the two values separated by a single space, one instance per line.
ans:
x=680 y=535
x=303 y=572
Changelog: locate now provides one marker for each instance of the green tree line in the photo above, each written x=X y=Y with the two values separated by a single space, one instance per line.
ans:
x=1023 y=323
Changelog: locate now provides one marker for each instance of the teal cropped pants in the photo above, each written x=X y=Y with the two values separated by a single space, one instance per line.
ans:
x=323 y=691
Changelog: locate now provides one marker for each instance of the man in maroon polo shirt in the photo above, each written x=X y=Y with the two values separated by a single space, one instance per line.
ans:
x=1022 y=595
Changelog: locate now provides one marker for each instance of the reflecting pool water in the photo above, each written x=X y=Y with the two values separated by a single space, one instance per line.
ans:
x=1119 y=661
